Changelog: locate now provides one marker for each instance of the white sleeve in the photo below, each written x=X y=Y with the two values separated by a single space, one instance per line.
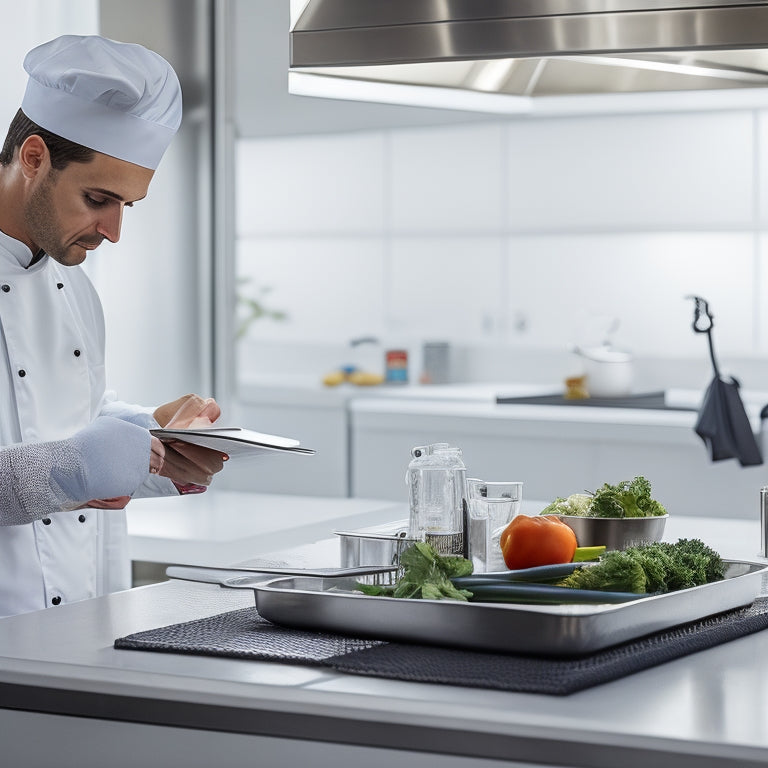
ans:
x=108 y=458
x=142 y=416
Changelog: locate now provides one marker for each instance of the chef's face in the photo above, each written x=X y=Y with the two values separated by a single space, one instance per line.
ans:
x=71 y=211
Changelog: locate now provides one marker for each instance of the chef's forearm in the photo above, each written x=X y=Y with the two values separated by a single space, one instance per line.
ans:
x=108 y=458
x=135 y=414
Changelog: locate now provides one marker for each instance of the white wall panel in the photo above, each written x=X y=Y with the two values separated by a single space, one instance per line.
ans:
x=330 y=288
x=760 y=290
x=761 y=166
x=614 y=215
x=310 y=184
x=447 y=180
x=34 y=22
x=446 y=289
x=677 y=171
x=563 y=283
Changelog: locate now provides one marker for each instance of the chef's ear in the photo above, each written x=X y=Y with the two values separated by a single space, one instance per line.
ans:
x=33 y=156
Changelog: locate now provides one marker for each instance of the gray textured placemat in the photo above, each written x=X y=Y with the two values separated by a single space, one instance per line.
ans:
x=244 y=634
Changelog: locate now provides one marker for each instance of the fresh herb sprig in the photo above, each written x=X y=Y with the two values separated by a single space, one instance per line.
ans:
x=426 y=575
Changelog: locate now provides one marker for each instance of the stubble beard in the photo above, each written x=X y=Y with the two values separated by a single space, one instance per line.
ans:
x=43 y=226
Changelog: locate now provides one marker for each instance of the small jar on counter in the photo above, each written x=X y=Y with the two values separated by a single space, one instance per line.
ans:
x=396 y=366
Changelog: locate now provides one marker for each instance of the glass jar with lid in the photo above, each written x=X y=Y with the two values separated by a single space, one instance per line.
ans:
x=436 y=480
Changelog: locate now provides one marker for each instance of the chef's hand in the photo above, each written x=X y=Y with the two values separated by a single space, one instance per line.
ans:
x=183 y=463
x=185 y=410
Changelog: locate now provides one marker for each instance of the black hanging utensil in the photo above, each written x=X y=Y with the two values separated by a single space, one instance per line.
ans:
x=723 y=424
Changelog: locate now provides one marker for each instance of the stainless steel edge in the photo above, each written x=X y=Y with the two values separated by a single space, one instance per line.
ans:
x=216 y=575
x=686 y=29
x=332 y=14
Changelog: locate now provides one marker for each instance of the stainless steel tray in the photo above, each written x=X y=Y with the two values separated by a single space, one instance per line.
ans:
x=331 y=605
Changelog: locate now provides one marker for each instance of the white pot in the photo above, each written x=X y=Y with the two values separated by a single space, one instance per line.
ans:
x=609 y=371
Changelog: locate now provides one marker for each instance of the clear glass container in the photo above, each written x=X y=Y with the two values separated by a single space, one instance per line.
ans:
x=492 y=506
x=436 y=480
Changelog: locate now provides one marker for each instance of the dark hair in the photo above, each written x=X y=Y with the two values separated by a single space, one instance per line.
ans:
x=62 y=151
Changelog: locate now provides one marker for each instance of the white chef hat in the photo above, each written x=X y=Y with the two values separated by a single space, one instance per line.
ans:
x=117 y=98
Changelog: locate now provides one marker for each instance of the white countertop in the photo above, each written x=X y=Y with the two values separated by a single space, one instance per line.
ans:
x=478 y=399
x=582 y=414
x=708 y=709
x=222 y=527
x=309 y=390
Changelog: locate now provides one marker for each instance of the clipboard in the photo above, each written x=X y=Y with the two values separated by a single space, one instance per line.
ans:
x=234 y=441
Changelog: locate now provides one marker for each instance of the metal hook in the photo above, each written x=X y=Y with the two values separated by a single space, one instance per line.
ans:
x=704 y=325
x=701 y=324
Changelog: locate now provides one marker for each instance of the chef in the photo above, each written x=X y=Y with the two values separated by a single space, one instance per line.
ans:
x=95 y=120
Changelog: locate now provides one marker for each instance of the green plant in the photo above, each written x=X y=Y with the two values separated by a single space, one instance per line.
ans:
x=252 y=308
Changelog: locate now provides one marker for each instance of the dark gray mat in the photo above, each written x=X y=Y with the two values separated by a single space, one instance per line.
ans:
x=244 y=634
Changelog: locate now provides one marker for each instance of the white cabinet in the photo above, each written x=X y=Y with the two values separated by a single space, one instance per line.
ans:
x=317 y=418
x=554 y=451
x=363 y=444
x=299 y=406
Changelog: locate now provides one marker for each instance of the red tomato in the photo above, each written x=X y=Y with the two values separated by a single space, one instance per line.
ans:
x=541 y=540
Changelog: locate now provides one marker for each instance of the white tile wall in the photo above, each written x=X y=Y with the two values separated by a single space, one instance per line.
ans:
x=330 y=288
x=564 y=283
x=677 y=171
x=448 y=180
x=446 y=288
x=760 y=292
x=761 y=167
x=35 y=22
x=520 y=233
x=313 y=184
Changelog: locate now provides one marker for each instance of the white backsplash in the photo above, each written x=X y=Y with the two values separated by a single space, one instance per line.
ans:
x=510 y=239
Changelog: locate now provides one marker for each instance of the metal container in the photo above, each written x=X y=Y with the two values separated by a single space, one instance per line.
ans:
x=334 y=605
x=616 y=532
x=379 y=545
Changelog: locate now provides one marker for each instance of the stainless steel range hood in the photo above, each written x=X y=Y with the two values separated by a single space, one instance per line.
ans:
x=510 y=52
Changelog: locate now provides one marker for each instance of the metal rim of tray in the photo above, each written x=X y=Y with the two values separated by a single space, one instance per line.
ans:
x=567 y=630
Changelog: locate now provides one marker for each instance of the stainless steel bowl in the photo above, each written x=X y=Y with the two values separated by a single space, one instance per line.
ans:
x=615 y=532
x=379 y=545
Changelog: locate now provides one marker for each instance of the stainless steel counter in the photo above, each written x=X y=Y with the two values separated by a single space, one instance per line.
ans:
x=67 y=697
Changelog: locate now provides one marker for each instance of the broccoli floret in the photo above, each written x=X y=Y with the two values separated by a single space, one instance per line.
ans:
x=658 y=567
x=617 y=571
x=696 y=564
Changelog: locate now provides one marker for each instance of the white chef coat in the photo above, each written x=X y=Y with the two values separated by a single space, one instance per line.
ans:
x=52 y=384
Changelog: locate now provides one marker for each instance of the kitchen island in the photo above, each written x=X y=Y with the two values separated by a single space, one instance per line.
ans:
x=69 y=698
